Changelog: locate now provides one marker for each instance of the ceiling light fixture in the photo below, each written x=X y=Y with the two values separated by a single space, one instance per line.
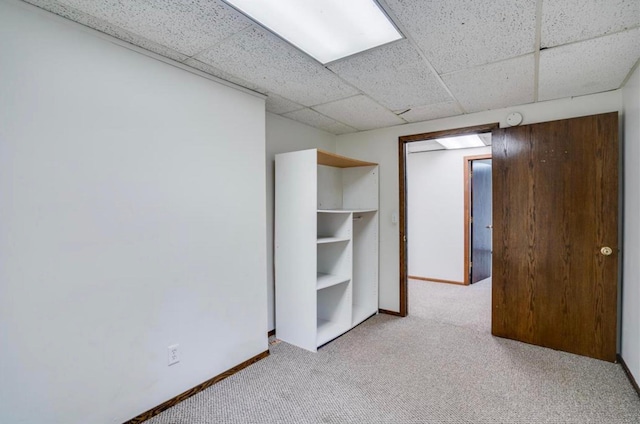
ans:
x=461 y=142
x=456 y=142
x=326 y=30
x=424 y=146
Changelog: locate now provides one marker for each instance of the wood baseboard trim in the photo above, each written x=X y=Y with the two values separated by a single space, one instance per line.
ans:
x=200 y=387
x=633 y=381
x=271 y=333
x=385 y=311
x=437 y=280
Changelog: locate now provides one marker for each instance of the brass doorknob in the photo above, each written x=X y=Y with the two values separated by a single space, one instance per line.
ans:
x=606 y=251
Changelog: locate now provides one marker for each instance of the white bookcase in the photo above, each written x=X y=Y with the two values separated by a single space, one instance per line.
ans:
x=326 y=245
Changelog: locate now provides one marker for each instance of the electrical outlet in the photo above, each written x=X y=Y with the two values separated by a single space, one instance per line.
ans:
x=174 y=356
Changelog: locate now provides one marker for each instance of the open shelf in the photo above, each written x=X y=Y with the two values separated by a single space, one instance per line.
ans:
x=333 y=312
x=364 y=274
x=333 y=266
x=339 y=161
x=328 y=280
x=361 y=313
x=323 y=240
x=327 y=331
x=333 y=227
x=326 y=245
x=346 y=210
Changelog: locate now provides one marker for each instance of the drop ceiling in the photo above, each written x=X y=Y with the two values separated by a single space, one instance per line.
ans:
x=457 y=57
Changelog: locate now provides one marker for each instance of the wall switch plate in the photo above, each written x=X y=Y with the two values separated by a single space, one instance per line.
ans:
x=174 y=356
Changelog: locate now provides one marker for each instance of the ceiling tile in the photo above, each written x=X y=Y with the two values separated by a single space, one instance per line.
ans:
x=313 y=118
x=591 y=66
x=427 y=113
x=262 y=58
x=493 y=86
x=280 y=105
x=211 y=70
x=107 y=28
x=188 y=26
x=360 y=112
x=567 y=21
x=395 y=75
x=460 y=34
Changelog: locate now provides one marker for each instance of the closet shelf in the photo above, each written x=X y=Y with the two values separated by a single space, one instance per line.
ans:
x=328 y=280
x=361 y=313
x=333 y=200
x=323 y=240
x=339 y=161
x=346 y=210
x=328 y=330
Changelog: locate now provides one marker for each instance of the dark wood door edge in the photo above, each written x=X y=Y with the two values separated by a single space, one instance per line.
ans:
x=404 y=298
x=271 y=333
x=438 y=280
x=632 y=380
x=467 y=213
x=385 y=311
x=402 y=177
x=200 y=387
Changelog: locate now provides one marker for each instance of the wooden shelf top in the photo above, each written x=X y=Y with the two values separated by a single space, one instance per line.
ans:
x=346 y=210
x=338 y=161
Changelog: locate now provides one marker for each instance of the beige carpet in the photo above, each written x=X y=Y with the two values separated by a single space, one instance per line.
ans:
x=462 y=306
x=439 y=365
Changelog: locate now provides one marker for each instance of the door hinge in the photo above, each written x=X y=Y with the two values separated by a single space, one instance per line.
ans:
x=471 y=220
x=470 y=264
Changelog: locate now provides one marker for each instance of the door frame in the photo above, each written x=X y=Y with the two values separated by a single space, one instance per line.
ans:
x=467 y=213
x=402 y=174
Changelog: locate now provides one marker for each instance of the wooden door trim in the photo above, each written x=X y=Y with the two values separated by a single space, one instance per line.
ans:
x=466 y=161
x=402 y=176
x=448 y=133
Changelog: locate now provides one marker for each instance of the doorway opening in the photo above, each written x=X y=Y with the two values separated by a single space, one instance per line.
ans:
x=438 y=142
x=478 y=219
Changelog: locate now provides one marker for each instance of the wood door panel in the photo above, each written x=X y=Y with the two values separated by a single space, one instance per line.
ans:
x=555 y=205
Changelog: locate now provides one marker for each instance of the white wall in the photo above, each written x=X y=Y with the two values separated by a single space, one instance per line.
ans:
x=285 y=135
x=435 y=213
x=631 y=248
x=381 y=146
x=132 y=196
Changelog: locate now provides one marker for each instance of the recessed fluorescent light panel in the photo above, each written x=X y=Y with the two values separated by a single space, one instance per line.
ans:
x=458 y=142
x=461 y=142
x=424 y=146
x=327 y=30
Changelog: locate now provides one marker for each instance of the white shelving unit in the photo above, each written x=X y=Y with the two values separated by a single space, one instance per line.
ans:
x=326 y=245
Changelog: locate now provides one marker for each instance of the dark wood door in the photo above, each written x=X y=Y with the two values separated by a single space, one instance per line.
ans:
x=481 y=219
x=555 y=213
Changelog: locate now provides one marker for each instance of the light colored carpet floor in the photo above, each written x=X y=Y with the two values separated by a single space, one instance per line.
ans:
x=439 y=365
